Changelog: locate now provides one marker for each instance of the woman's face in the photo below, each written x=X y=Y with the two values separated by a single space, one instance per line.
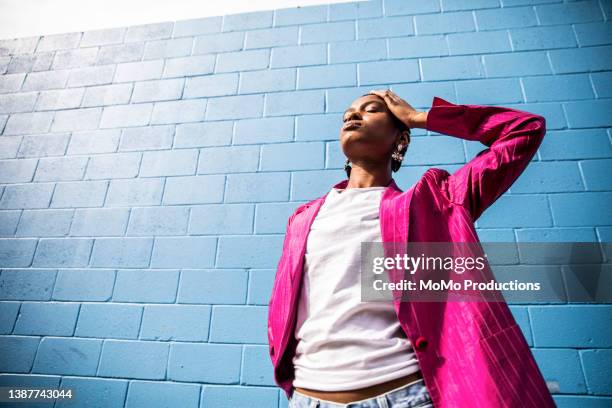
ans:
x=368 y=131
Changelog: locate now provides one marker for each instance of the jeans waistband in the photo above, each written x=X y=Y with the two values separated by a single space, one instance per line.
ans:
x=414 y=392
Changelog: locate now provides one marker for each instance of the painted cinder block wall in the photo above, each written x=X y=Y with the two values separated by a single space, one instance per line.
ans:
x=147 y=174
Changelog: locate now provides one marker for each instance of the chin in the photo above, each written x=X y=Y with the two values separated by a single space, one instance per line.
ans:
x=355 y=134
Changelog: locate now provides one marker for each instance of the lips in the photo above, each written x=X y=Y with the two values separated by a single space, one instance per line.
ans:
x=351 y=124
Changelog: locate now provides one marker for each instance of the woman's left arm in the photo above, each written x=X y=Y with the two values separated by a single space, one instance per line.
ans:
x=512 y=137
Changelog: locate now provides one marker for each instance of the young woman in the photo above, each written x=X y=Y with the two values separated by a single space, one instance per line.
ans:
x=328 y=348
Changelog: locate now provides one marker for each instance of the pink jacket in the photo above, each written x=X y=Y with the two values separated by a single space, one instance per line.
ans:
x=471 y=354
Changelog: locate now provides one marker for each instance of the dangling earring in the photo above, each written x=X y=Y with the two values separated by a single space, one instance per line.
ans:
x=347 y=168
x=397 y=155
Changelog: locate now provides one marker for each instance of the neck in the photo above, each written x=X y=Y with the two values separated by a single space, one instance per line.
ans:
x=361 y=178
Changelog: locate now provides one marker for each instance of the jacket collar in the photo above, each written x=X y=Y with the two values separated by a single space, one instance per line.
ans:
x=391 y=190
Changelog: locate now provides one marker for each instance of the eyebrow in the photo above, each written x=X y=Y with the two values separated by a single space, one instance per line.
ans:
x=362 y=105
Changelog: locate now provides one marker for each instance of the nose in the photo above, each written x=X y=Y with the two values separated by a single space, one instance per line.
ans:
x=353 y=115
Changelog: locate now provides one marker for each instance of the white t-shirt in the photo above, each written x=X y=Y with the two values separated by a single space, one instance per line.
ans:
x=343 y=343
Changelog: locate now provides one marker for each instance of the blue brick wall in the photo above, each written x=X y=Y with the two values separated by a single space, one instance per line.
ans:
x=147 y=173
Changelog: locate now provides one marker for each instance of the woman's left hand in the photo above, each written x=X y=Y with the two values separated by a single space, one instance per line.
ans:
x=402 y=109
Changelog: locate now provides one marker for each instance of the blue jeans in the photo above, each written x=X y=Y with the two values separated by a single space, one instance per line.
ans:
x=413 y=395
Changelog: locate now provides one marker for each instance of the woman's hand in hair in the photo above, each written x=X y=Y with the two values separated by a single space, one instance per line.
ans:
x=402 y=109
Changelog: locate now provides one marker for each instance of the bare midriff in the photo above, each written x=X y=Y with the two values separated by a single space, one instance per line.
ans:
x=345 y=397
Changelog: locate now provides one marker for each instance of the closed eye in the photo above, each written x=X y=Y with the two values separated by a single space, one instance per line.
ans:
x=370 y=110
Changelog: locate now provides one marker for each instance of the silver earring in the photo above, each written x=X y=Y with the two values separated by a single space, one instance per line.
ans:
x=397 y=155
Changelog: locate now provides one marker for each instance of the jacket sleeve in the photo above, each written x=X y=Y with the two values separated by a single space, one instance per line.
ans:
x=275 y=286
x=512 y=138
x=284 y=250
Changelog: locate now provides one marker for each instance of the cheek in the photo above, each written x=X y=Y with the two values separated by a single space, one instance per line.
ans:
x=379 y=123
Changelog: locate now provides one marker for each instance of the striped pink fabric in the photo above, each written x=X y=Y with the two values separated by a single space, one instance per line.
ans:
x=471 y=354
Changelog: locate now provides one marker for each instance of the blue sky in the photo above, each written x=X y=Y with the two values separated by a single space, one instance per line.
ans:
x=24 y=18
